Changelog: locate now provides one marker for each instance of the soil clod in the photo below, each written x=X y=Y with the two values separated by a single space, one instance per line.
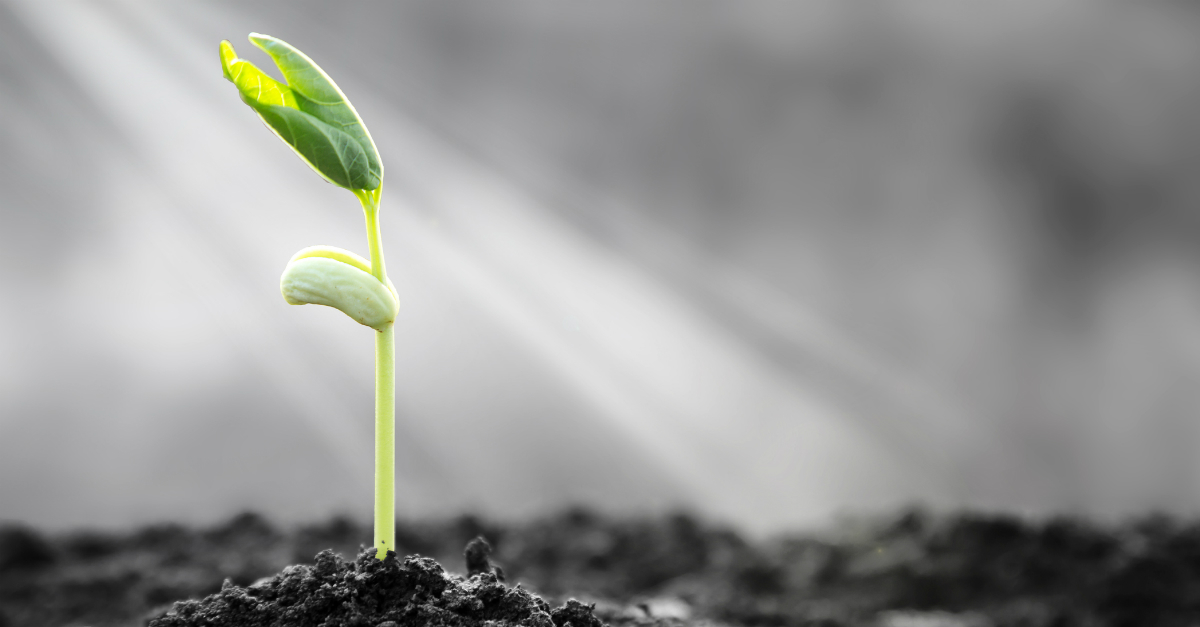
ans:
x=477 y=556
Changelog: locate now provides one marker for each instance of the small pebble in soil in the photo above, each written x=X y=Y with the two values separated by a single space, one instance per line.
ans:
x=413 y=592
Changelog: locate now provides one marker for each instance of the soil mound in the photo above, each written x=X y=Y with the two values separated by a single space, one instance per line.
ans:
x=413 y=592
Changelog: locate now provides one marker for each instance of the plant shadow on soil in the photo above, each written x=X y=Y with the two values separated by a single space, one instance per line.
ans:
x=914 y=569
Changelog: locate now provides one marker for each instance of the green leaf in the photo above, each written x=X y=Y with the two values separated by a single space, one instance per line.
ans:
x=329 y=151
x=309 y=113
x=254 y=86
x=323 y=275
x=320 y=96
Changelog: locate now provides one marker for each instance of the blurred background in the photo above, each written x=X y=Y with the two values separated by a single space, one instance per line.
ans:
x=766 y=261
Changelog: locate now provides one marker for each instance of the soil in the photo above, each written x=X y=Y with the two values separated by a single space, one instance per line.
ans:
x=584 y=569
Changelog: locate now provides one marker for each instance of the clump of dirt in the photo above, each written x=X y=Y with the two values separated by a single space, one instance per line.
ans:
x=477 y=556
x=413 y=592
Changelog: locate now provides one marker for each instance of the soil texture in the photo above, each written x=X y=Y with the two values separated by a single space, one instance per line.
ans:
x=584 y=569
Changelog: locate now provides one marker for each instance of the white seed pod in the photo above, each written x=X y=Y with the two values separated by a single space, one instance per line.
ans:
x=324 y=275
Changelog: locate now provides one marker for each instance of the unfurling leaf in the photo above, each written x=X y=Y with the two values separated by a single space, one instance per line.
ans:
x=324 y=275
x=308 y=112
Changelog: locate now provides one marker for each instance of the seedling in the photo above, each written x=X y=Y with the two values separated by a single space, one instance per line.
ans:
x=310 y=114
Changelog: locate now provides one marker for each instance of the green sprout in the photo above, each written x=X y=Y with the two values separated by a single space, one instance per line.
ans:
x=310 y=114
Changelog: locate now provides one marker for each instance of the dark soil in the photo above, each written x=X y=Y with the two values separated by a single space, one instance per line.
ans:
x=916 y=570
x=371 y=592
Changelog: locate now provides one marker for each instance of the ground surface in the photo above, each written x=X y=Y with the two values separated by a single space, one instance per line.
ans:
x=911 y=570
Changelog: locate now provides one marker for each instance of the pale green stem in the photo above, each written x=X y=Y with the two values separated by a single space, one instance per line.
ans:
x=385 y=395
x=385 y=441
x=370 y=203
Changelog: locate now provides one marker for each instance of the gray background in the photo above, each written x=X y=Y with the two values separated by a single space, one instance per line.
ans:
x=771 y=261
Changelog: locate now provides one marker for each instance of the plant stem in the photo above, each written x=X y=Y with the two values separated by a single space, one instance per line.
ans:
x=370 y=203
x=385 y=441
x=385 y=395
